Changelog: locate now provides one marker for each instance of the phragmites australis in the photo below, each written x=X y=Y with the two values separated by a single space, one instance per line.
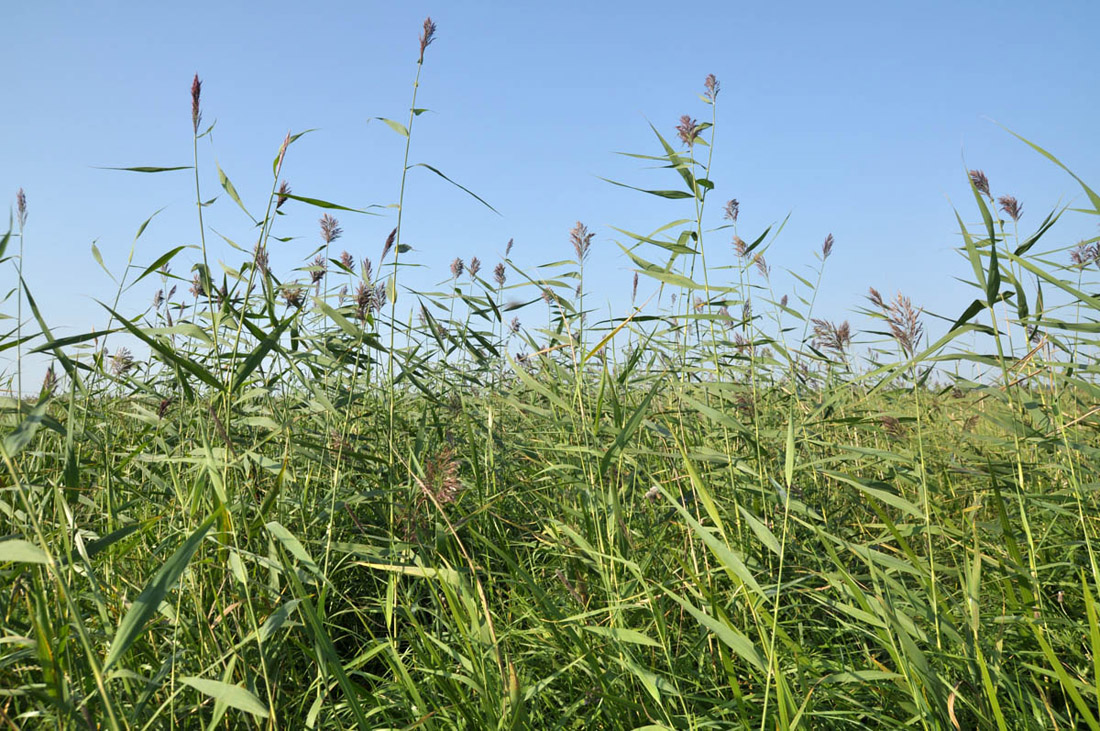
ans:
x=832 y=337
x=475 y=267
x=514 y=325
x=980 y=181
x=196 y=109
x=426 y=37
x=634 y=289
x=49 y=381
x=740 y=247
x=259 y=256
x=347 y=260
x=581 y=240
x=733 y=209
x=457 y=267
x=293 y=295
x=283 y=195
x=827 y=247
x=903 y=319
x=367 y=270
x=1084 y=254
x=122 y=361
x=688 y=130
x=158 y=299
x=783 y=301
x=508 y=248
x=499 y=274
x=21 y=208
x=317 y=270
x=1011 y=206
x=388 y=245
x=712 y=87
x=197 y=289
x=330 y=229
x=762 y=265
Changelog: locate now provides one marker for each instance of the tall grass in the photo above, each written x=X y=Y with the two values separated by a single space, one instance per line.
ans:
x=305 y=509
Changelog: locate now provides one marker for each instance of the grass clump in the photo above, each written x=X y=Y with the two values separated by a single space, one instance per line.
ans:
x=301 y=505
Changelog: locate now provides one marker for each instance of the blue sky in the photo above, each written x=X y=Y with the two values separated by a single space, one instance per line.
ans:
x=858 y=119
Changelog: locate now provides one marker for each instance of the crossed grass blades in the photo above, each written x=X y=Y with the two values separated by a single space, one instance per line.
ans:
x=322 y=499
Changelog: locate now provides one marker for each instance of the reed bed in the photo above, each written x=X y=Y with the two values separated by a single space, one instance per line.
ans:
x=323 y=499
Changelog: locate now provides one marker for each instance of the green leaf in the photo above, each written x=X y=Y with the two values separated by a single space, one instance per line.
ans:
x=148 y=169
x=292 y=544
x=231 y=695
x=161 y=261
x=227 y=184
x=395 y=126
x=467 y=190
x=741 y=645
x=141 y=228
x=15 y=442
x=625 y=635
x=99 y=259
x=671 y=194
x=21 y=551
x=256 y=357
x=1093 y=197
x=325 y=204
x=145 y=606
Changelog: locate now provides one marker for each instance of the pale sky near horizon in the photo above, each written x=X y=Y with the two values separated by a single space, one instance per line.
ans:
x=858 y=119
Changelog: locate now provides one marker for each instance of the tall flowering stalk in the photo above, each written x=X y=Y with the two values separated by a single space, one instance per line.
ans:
x=427 y=36
x=21 y=218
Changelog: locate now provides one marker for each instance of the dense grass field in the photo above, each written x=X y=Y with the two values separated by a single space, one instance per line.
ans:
x=321 y=499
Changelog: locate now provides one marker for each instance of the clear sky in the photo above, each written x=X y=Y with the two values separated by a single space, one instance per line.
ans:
x=857 y=118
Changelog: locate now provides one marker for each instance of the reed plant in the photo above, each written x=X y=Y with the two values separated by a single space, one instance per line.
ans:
x=279 y=504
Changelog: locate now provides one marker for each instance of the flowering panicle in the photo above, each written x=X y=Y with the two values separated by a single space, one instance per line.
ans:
x=712 y=87
x=733 y=209
x=688 y=130
x=330 y=229
x=457 y=268
x=499 y=274
x=21 y=208
x=347 y=260
x=832 y=337
x=827 y=247
x=581 y=240
x=475 y=267
x=196 y=110
x=1011 y=206
x=388 y=245
x=426 y=37
x=317 y=273
x=980 y=181
x=284 y=192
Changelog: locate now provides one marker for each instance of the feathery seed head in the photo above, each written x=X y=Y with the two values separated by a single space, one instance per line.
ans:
x=427 y=36
x=346 y=259
x=320 y=266
x=980 y=181
x=688 y=130
x=581 y=240
x=284 y=191
x=1011 y=206
x=827 y=247
x=733 y=208
x=330 y=229
x=499 y=274
x=475 y=267
x=196 y=109
x=456 y=268
x=21 y=208
x=712 y=86
x=388 y=245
